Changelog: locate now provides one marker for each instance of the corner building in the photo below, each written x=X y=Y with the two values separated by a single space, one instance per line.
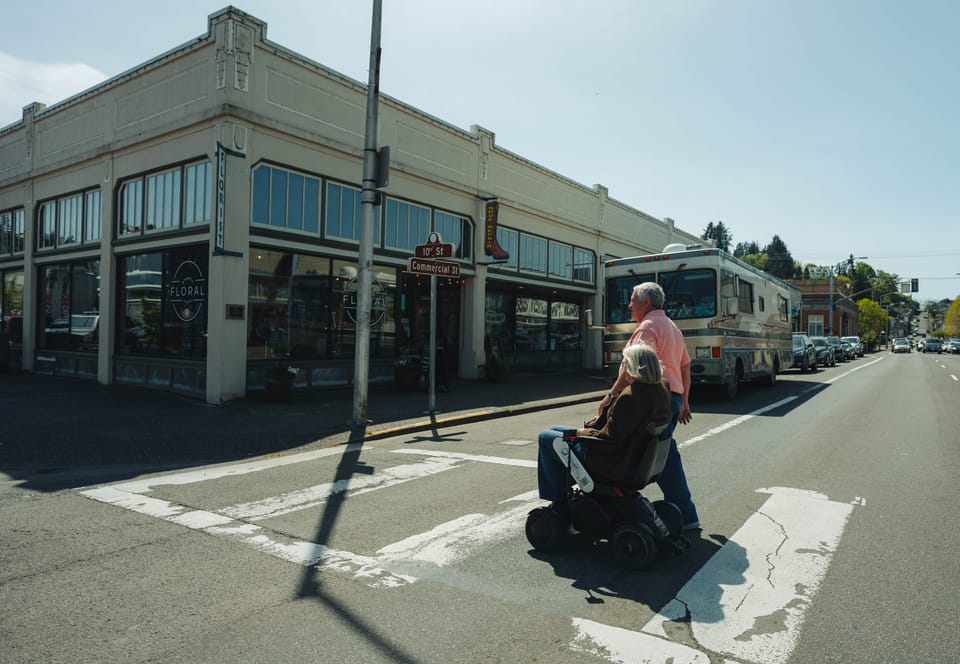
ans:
x=195 y=221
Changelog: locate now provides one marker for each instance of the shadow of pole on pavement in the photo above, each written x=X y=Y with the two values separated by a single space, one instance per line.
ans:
x=311 y=586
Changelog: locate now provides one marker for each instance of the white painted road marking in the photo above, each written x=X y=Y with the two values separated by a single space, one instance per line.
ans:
x=443 y=545
x=748 y=602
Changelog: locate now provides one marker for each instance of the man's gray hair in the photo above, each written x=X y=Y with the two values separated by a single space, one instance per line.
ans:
x=652 y=292
x=642 y=362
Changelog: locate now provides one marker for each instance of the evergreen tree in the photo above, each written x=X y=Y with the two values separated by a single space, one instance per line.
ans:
x=718 y=234
x=744 y=248
x=779 y=260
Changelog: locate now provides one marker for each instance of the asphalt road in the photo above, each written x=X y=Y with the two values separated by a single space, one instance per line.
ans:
x=830 y=526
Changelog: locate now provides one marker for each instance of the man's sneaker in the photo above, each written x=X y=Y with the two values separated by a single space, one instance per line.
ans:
x=693 y=525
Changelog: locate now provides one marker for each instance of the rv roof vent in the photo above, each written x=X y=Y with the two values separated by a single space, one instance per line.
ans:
x=675 y=246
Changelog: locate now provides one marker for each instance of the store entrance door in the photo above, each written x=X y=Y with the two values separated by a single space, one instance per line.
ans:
x=415 y=307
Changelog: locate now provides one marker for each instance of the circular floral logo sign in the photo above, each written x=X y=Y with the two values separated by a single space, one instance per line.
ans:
x=187 y=291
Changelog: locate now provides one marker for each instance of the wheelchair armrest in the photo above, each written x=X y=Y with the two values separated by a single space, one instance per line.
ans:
x=592 y=439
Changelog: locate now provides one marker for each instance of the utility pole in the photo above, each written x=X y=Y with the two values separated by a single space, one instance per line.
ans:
x=368 y=201
x=836 y=269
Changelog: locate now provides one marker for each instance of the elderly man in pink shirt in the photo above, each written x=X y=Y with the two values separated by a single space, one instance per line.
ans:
x=657 y=330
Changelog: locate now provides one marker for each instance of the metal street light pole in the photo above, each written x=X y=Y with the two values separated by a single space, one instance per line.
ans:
x=368 y=199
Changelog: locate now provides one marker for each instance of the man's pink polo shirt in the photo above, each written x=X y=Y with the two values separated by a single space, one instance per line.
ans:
x=666 y=339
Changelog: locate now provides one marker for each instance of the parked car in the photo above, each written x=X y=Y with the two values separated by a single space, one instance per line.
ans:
x=900 y=346
x=804 y=353
x=76 y=332
x=825 y=353
x=856 y=343
x=838 y=348
x=932 y=345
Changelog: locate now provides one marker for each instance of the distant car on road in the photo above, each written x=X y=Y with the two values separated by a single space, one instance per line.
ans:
x=804 y=353
x=900 y=346
x=932 y=345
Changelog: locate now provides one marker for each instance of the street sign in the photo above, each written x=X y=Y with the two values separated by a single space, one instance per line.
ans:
x=434 y=248
x=435 y=268
x=438 y=250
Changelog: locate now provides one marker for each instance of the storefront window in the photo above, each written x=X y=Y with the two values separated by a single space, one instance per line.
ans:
x=507 y=239
x=165 y=201
x=305 y=307
x=498 y=321
x=561 y=260
x=515 y=323
x=455 y=230
x=165 y=310
x=407 y=225
x=7 y=220
x=565 y=326
x=71 y=295
x=11 y=306
x=583 y=265
x=531 y=324
x=533 y=254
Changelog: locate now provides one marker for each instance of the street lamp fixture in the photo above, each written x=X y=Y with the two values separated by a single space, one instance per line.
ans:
x=835 y=269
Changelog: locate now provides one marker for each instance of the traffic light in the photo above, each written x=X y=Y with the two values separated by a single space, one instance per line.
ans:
x=914 y=285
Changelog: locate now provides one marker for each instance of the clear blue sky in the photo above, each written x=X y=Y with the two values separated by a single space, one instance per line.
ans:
x=833 y=124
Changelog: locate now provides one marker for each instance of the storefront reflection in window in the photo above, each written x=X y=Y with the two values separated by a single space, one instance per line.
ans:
x=11 y=306
x=305 y=308
x=524 y=324
x=165 y=307
x=70 y=306
x=565 y=326
x=531 y=330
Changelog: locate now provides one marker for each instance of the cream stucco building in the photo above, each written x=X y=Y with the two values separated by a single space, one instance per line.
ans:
x=195 y=220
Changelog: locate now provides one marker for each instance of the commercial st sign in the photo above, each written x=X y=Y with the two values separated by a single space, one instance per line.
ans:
x=434 y=268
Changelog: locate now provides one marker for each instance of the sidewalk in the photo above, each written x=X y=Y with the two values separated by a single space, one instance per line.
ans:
x=54 y=424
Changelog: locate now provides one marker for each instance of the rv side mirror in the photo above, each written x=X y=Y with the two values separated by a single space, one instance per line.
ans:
x=589 y=315
x=733 y=306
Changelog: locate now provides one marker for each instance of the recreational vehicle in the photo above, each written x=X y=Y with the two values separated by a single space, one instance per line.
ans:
x=735 y=318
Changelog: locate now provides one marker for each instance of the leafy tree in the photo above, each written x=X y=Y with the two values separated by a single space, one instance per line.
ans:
x=718 y=234
x=872 y=320
x=885 y=287
x=779 y=260
x=744 y=248
x=951 y=322
x=757 y=260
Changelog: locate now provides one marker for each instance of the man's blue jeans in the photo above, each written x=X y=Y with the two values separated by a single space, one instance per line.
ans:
x=673 y=481
x=551 y=473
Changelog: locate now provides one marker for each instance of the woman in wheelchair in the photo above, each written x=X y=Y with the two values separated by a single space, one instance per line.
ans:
x=645 y=401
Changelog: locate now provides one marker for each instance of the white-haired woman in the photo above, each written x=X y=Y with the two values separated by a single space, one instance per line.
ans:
x=645 y=400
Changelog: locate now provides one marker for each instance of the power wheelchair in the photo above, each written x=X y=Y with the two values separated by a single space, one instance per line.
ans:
x=612 y=509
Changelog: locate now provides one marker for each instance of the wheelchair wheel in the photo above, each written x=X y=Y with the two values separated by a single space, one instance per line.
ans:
x=545 y=529
x=633 y=547
x=670 y=515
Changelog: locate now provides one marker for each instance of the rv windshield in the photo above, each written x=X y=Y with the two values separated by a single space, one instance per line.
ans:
x=619 y=291
x=689 y=293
